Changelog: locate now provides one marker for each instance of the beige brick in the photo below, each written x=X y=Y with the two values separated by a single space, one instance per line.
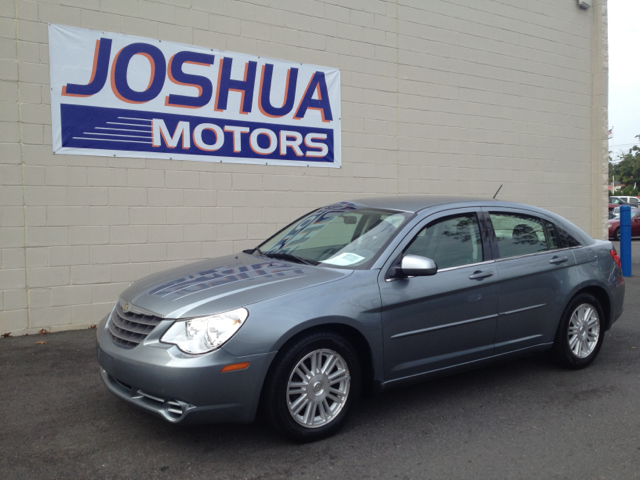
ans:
x=13 y=321
x=130 y=272
x=47 y=276
x=90 y=274
x=120 y=7
x=127 y=196
x=9 y=132
x=33 y=134
x=11 y=195
x=211 y=215
x=83 y=4
x=145 y=178
x=128 y=234
x=109 y=254
x=59 y=14
x=191 y=18
x=67 y=216
x=165 y=233
x=149 y=252
x=37 y=257
x=50 y=316
x=71 y=295
x=201 y=198
x=8 y=112
x=184 y=251
x=12 y=217
x=183 y=215
x=157 y=11
x=107 y=177
x=39 y=297
x=140 y=27
x=148 y=215
x=12 y=278
x=165 y=197
x=76 y=255
x=47 y=236
x=88 y=196
x=217 y=249
x=199 y=233
x=85 y=235
x=13 y=258
x=176 y=33
x=101 y=21
x=8 y=70
x=109 y=215
x=9 y=153
x=108 y=293
x=232 y=232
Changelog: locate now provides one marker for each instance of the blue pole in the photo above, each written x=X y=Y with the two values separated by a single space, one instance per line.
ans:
x=625 y=239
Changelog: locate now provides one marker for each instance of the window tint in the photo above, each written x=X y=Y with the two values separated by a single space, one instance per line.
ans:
x=567 y=240
x=552 y=237
x=450 y=241
x=518 y=234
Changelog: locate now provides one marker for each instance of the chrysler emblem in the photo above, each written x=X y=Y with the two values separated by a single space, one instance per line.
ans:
x=126 y=307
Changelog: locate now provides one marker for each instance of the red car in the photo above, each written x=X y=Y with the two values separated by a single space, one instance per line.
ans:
x=614 y=226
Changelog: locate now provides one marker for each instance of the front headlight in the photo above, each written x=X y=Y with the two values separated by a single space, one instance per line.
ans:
x=205 y=334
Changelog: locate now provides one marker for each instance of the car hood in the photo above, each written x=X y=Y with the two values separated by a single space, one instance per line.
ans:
x=221 y=284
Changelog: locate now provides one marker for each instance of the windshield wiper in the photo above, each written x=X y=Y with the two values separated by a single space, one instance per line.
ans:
x=287 y=256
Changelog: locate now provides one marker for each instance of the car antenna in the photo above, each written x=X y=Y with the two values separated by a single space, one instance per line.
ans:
x=494 y=197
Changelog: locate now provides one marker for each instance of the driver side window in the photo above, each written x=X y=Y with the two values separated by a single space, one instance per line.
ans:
x=450 y=241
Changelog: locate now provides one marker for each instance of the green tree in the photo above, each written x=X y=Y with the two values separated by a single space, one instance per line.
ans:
x=627 y=170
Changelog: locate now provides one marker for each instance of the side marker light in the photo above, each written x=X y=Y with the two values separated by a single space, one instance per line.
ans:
x=235 y=366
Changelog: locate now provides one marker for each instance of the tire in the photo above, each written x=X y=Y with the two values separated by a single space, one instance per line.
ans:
x=298 y=401
x=580 y=333
x=616 y=234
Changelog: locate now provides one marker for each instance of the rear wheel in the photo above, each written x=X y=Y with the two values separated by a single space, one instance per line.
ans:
x=313 y=386
x=580 y=333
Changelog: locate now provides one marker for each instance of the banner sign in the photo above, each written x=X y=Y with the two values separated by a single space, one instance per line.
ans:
x=125 y=96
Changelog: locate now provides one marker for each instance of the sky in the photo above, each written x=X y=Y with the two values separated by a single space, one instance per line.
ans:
x=624 y=74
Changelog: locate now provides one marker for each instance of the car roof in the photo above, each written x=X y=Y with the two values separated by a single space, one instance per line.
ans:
x=415 y=203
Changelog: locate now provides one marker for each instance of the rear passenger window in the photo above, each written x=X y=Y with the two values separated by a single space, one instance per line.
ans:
x=566 y=240
x=518 y=235
x=450 y=242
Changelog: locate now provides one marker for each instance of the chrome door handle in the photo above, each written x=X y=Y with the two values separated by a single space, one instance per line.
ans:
x=558 y=260
x=479 y=275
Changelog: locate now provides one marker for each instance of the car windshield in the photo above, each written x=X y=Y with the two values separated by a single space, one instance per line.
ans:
x=339 y=235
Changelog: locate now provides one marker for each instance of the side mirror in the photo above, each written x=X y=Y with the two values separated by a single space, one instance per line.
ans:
x=417 y=266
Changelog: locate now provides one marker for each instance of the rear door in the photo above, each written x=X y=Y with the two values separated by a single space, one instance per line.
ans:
x=535 y=277
x=434 y=322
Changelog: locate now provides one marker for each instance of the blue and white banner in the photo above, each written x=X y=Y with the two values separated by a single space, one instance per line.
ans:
x=125 y=96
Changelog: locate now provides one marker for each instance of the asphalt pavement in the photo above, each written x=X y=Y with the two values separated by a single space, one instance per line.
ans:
x=526 y=419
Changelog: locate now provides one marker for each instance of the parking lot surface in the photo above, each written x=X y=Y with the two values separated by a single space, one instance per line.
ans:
x=524 y=419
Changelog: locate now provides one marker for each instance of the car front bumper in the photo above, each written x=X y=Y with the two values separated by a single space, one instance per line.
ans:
x=181 y=388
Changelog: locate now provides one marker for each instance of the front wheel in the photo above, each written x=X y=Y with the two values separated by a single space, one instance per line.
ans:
x=313 y=386
x=580 y=333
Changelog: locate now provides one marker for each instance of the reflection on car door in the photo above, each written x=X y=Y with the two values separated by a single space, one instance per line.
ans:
x=535 y=276
x=438 y=321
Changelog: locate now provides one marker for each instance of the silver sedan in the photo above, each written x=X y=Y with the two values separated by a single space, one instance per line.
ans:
x=359 y=295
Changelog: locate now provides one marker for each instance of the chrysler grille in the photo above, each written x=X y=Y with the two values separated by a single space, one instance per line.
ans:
x=128 y=329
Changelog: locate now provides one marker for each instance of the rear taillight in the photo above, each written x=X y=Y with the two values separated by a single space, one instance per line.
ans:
x=615 y=256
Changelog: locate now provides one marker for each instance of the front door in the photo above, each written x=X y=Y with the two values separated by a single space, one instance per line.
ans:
x=435 y=322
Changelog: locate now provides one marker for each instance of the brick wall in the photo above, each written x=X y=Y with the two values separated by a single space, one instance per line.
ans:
x=438 y=97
